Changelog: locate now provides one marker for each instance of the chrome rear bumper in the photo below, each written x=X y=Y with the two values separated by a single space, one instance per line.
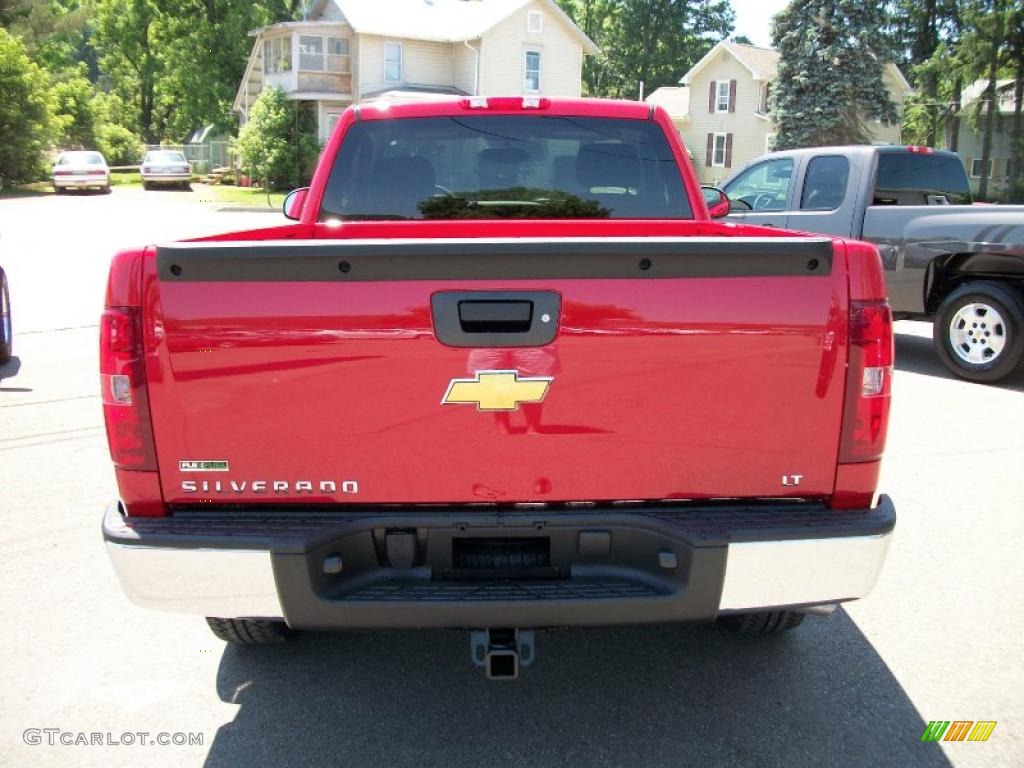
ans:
x=657 y=567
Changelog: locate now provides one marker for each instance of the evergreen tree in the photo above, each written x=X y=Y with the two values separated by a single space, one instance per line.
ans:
x=832 y=58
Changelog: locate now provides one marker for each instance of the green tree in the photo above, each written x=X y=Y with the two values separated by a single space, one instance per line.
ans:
x=278 y=142
x=127 y=38
x=75 y=107
x=923 y=31
x=984 y=53
x=27 y=125
x=832 y=58
x=650 y=41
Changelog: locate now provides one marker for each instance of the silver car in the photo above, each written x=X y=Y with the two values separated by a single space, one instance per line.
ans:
x=165 y=167
x=80 y=170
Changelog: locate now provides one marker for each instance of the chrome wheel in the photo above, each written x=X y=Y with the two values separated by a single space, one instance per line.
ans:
x=977 y=333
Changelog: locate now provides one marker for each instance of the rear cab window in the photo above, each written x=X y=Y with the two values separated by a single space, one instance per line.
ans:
x=80 y=158
x=164 y=156
x=907 y=177
x=505 y=167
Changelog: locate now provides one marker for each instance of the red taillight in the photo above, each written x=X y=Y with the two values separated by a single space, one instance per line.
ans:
x=123 y=390
x=868 y=381
x=96 y=173
x=917 y=150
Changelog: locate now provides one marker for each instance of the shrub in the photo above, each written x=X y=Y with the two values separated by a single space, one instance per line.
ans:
x=28 y=127
x=119 y=145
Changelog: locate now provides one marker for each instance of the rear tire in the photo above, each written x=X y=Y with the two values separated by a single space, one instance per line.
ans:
x=766 y=623
x=250 y=631
x=6 y=328
x=979 y=331
x=147 y=186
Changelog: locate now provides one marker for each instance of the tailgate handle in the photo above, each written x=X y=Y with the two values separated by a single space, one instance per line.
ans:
x=495 y=318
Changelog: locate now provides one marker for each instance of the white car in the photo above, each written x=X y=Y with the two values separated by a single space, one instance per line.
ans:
x=80 y=170
x=165 y=166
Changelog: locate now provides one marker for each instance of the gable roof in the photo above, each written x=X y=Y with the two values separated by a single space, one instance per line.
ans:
x=442 y=21
x=763 y=63
x=976 y=92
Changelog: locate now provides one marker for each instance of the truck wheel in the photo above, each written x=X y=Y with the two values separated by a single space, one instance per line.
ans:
x=6 y=331
x=979 y=331
x=767 y=623
x=249 y=631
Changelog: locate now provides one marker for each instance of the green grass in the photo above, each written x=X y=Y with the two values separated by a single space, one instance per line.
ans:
x=121 y=178
x=242 y=196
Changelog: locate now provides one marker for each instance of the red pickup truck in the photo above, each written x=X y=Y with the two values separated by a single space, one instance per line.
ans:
x=502 y=373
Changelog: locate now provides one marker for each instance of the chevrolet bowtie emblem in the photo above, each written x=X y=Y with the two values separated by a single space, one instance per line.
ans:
x=497 y=390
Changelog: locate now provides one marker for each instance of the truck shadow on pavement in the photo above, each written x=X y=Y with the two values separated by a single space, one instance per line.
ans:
x=916 y=354
x=626 y=696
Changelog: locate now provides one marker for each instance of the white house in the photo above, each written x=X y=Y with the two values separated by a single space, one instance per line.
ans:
x=348 y=50
x=971 y=137
x=721 y=109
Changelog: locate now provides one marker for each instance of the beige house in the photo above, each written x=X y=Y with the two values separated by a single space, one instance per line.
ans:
x=721 y=108
x=969 y=141
x=348 y=50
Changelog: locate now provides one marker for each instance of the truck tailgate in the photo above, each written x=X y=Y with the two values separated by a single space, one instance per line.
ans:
x=666 y=368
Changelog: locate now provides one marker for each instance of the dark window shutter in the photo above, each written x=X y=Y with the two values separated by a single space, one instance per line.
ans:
x=767 y=97
x=732 y=95
x=728 y=150
x=711 y=149
x=711 y=96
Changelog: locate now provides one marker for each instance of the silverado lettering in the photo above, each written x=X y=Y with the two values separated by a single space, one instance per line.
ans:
x=264 y=486
x=569 y=395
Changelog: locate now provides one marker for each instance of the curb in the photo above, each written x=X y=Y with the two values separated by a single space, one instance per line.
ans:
x=249 y=208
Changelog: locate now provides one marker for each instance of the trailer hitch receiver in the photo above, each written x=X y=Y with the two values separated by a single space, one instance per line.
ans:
x=502 y=652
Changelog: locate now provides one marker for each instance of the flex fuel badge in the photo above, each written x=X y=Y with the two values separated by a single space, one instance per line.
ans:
x=203 y=466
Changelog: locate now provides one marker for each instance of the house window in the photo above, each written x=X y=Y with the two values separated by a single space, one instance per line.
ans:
x=535 y=22
x=393 y=62
x=722 y=96
x=718 y=150
x=318 y=54
x=531 y=74
x=311 y=53
x=277 y=55
x=976 y=166
x=765 y=101
x=337 y=55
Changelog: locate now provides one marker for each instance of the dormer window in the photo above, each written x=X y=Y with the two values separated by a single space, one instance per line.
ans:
x=535 y=22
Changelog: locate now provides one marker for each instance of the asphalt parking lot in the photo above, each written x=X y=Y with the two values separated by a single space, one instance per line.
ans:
x=941 y=637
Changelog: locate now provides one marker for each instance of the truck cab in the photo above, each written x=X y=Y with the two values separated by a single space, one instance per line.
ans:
x=946 y=260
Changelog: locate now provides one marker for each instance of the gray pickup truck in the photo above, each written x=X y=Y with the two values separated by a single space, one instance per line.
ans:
x=958 y=264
